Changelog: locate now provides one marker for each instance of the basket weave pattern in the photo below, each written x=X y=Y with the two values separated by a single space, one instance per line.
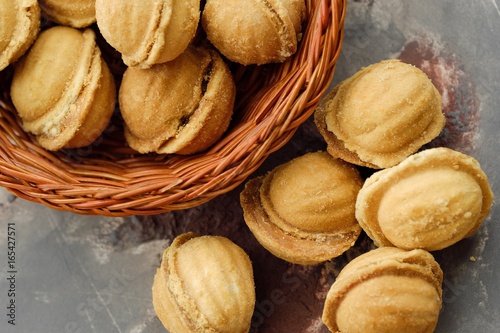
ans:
x=108 y=178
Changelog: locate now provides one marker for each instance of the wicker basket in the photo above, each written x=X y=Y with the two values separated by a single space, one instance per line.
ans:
x=107 y=178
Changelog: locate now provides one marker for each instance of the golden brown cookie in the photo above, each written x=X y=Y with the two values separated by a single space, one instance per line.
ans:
x=380 y=115
x=63 y=89
x=254 y=32
x=431 y=200
x=182 y=106
x=148 y=32
x=204 y=284
x=303 y=210
x=19 y=26
x=73 y=13
x=386 y=290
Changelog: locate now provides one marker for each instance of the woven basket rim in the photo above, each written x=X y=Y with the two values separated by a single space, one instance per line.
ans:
x=108 y=178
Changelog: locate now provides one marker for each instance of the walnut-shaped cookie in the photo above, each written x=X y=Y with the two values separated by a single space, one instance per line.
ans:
x=303 y=210
x=182 y=106
x=73 y=13
x=431 y=200
x=380 y=115
x=204 y=284
x=386 y=290
x=63 y=89
x=19 y=26
x=148 y=32
x=256 y=31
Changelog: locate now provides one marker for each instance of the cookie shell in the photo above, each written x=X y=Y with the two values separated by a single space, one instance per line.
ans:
x=148 y=32
x=254 y=32
x=431 y=200
x=380 y=115
x=303 y=210
x=204 y=284
x=182 y=106
x=19 y=27
x=386 y=290
x=63 y=89
x=74 y=13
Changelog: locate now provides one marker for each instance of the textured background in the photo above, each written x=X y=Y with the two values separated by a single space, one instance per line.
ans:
x=94 y=274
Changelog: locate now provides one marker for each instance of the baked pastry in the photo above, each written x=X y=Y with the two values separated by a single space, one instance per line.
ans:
x=431 y=200
x=303 y=210
x=182 y=106
x=148 y=32
x=254 y=32
x=386 y=290
x=63 y=89
x=204 y=284
x=73 y=13
x=380 y=115
x=19 y=27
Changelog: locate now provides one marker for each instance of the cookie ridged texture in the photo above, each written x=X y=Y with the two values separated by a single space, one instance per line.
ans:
x=431 y=200
x=74 y=13
x=19 y=27
x=148 y=32
x=204 y=284
x=254 y=32
x=381 y=114
x=63 y=90
x=408 y=285
x=182 y=106
x=303 y=210
x=312 y=193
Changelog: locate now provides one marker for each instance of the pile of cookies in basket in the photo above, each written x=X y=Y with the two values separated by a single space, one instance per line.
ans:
x=176 y=96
